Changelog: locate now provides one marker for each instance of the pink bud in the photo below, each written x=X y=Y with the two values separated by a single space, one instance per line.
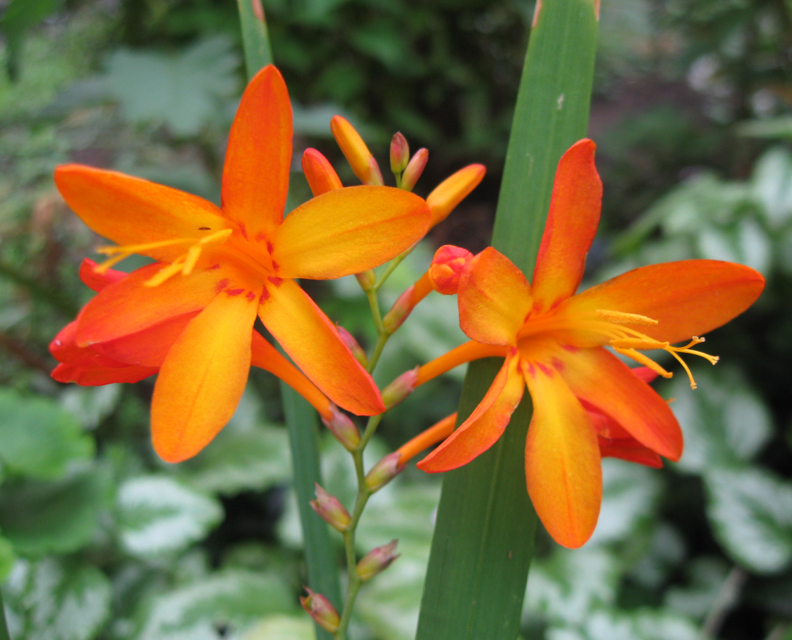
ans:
x=414 y=169
x=376 y=560
x=446 y=268
x=398 y=390
x=320 y=609
x=353 y=345
x=319 y=172
x=399 y=153
x=374 y=176
x=384 y=471
x=331 y=510
x=343 y=429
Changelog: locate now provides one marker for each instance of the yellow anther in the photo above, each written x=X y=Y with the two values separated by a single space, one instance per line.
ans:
x=619 y=317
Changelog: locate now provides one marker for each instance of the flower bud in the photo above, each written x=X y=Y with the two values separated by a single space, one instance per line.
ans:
x=376 y=561
x=319 y=172
x=414 y=169
x=451 y=191
x=349 y=340
x=366 y=279
x=342 y=427
x=330 y=510
x=384 y=471
x=446 y=268
x=355 y=151
x=399 y=153
x=320 y=609
x=406 y=303
x=374 y=174
x=398 y=390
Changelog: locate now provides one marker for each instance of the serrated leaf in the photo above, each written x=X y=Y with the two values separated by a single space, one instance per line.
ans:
x=185 y=91
x=38 y=439
x=724 y=421
x=751 y=515
x=232 y=600
x=54 y=517
x=52 y=600
x=159 y=516
x=282 y=628
x=240 y=460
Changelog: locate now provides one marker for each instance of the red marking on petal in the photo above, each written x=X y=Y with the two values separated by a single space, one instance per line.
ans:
x=270 y=247
x=222 y=284
x=531 y=370
x=234 y=292
x=243 y=231
x=275 y=280
x=545 y=369
x=250 y=295
x=265 y=295
x=558 y=365
x=213 y=267
x=570 y=348
x=260 y=237
x=275 y=266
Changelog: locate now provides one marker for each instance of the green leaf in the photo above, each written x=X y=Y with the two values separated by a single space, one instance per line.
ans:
x=184 y=91
x=281 y=628
x=7 y=558
x=53 y=517
x=159 y=516
x=54 y=600
x=706 y=578
x=240 y=460
x=19 y=17
x=751 y=515
x=483 y=541
x=91 y=405
x=724 y=421
x=772 y=186
x=232 y=600
x=38 y=439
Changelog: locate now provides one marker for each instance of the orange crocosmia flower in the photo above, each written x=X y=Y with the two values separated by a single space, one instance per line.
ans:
x=219 y=268
x=555 y=343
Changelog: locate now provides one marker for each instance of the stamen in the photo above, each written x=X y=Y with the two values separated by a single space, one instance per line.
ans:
x=675 y=351
x=645 y=361
x=619 y=317
x=638 y=343
x=185 y=263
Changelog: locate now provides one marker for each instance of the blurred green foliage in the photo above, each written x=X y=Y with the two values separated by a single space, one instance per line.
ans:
x=100 y=540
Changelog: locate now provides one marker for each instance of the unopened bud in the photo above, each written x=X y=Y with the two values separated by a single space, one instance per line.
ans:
x=342 y=427
x=349 y=340
x=355 y=151
x=446 y=268
x=331 y=510
x=414 y=169
x=399 y=311
x=376 y=561
x=366 y=279
x=320 y=609
x=319 y=172
x=398 y=390
x=384 y=471
x=399 y=153
x=451 y=191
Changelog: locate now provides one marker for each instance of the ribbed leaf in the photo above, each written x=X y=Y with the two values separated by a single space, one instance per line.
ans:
x=485 y=524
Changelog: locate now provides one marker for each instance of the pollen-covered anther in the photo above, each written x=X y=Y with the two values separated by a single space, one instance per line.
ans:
x=186 y=262
x=619 y=317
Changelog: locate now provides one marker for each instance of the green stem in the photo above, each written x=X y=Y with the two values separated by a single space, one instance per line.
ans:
x=389 y=269
x=382 y=340
x=371 y=294
x=255 y=39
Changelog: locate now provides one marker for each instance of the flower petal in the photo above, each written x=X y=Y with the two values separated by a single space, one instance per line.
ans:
x=629 y=449
x=599 y=378
x=562 y=460
x=203 y=377
x=149 y=347
x=256 y=171
x=129 y=306
x=494 y=299
x=96 y=376
x=132 y=211
x=687 y=298
x=570 y=228
x=485 y=425
x=349 y=230
x=98 y=281
x=312 y=341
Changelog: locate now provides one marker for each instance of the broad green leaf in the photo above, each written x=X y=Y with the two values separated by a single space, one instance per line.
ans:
x=53 y=517
x=751 y=515
x=779 y=128
x=724 y=421
x=281 y=628
x=91 y=405
x=18 y=18
x=38 y=439
x=706 y=577
x=230 y=600
x=159 y=516
x=239 y=460
x=57 y=600
x=772 y=186
x=184 y=91
x=7 y=557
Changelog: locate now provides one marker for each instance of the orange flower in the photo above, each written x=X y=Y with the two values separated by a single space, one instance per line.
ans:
x=554 y=341
x=234 y=263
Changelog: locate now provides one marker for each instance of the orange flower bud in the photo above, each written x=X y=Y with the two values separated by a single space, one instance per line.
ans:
x=451 y=191
x=399 y=153
x=319 y=172
x=354 y=346
x=330 y=510
x=355 y=151
x=406 y=303
x=384 y=471
x=398 y=390
x=342 y=427
x=446 y=268
x=414 y=169
x=320 y=609
x=376 y=561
